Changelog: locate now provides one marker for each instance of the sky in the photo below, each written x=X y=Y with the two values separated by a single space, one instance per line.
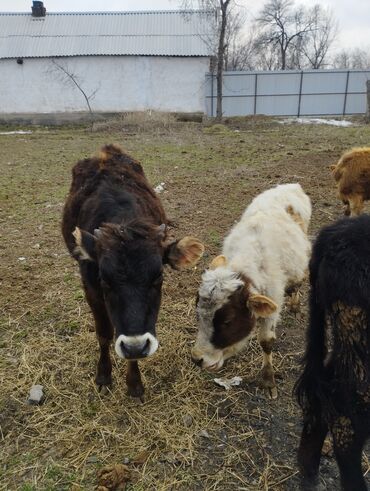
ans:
x=353 y=16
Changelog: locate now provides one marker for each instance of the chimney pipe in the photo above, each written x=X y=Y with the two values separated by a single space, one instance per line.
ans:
x=38 y=9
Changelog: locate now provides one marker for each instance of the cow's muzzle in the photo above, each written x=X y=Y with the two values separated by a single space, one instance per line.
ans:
x=136 y=347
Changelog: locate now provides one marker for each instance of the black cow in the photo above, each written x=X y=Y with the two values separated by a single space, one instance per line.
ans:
x=334 y=388
x=115 y=226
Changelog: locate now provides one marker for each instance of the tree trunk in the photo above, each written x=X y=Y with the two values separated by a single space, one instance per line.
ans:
x=220 y=57
x=283 y=58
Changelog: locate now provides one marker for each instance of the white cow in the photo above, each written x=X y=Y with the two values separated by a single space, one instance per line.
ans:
x=265 y=254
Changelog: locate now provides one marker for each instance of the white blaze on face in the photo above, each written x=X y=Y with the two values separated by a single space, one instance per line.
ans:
x=136 y=343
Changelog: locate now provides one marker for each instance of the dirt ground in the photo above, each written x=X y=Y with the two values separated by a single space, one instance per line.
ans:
x=190 y=434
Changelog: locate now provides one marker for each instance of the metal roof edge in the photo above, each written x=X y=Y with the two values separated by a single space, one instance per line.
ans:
x=117 y=12
x=128 y=54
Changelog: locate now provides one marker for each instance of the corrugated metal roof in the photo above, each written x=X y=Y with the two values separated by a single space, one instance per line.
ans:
x=158 y=33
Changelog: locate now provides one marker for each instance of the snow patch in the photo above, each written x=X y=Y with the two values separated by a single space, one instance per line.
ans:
x=19 y=132
x=331 y=122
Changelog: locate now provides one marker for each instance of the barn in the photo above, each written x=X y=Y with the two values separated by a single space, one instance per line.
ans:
x=60 y=63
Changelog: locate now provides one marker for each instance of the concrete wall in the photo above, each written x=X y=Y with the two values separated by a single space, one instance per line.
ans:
x=122 y=83
x=290 y=93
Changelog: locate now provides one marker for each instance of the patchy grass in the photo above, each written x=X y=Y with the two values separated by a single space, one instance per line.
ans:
x=196 y=435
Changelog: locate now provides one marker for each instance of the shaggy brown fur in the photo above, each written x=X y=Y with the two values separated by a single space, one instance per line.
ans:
x=114 y=225
x=352 y=175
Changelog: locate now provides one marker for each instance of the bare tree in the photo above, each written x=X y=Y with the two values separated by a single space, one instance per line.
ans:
x=66 y=75
x=224 y=4
x=342 y=60
x=360 y=59
x=283 y=26
x=241 y=56
x=356 y=58
x=316 y=43
x=266 y=56
x=218 y=43
x=234 y=45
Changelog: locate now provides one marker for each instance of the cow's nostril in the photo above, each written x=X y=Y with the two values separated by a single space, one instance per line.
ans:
x=135 y=350
x=197 y=362
x=146 y=348
x=125 y=349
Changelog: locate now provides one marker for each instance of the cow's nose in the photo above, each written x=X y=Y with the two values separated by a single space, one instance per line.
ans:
x=198 y=361
x=139 y=346
x=134 y=351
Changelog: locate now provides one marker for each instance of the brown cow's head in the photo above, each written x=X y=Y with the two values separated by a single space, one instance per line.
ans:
x=129 y=261
x=227 y=309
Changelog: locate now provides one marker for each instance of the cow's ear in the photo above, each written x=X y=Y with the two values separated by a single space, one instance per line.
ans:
x=332 y=167
x=85 y=245
x=183 y=253
x=218 y=262
x=261 y=306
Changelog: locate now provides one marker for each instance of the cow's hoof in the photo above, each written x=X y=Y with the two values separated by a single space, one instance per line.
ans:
x=101 y=379
x=103 y=390
x=271 y=392
x=268 y=382
x=136 y=392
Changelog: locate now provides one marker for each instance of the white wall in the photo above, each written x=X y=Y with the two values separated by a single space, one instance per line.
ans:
x=122 y=83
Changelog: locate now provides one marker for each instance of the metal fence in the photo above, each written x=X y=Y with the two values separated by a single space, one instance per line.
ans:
x=290 y=93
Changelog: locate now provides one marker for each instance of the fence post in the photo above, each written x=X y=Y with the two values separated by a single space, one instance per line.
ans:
x=345 y=95
x=255 y=94
x=211 y=94
x=368 y=101
x=300 y=95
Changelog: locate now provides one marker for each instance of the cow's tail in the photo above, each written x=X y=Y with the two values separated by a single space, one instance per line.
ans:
x=109 y=151
x=337 y=172
x=310 y=388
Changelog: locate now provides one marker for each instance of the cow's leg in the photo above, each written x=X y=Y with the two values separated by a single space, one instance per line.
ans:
x=348 y=447
x=135 y=386
x=104 y=334
x=347 y=207
x=356 y=204
x=266 y=337
x=309 y=453
x=293 y=302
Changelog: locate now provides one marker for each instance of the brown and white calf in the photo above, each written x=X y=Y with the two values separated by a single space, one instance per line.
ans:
x=114 y=225
x=352 y=175
x=266 y=253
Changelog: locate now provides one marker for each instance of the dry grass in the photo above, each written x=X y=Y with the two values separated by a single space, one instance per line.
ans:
x=195 y=435
x=138 y=121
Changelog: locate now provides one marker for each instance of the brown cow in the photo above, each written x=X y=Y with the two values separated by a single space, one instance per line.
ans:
x=352 y=174
x=114 y=225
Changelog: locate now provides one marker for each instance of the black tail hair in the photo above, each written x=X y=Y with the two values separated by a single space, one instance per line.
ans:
x=309 y=389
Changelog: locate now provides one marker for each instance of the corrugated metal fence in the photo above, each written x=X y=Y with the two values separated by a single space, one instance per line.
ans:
x=290 y=93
